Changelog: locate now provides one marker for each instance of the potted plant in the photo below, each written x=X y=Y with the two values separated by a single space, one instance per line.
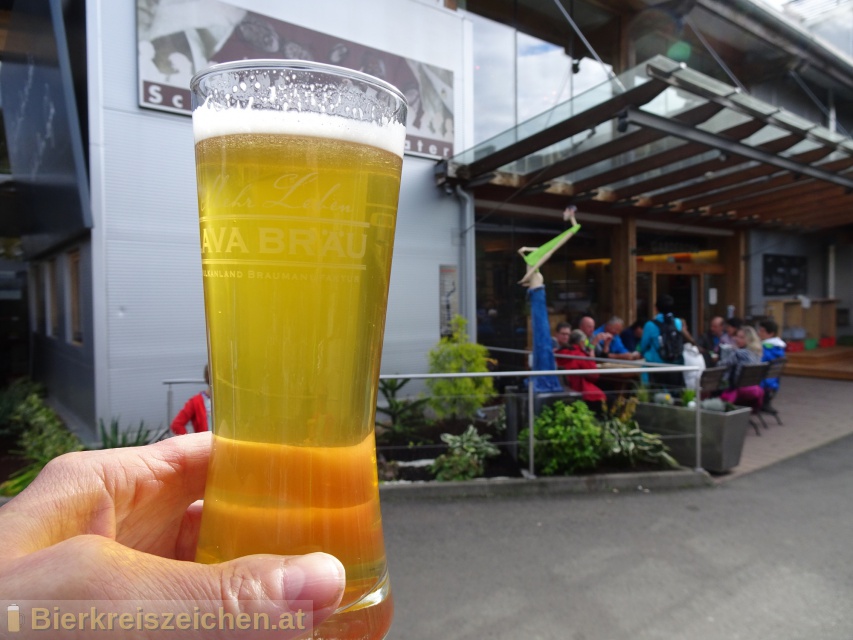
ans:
x=724 y=428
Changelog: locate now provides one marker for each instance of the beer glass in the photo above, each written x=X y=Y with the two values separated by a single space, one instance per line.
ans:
x=298 y=167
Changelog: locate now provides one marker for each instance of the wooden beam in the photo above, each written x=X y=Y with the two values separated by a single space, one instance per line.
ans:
x=742 y=188
x=623 y=246
x=734 y=283
x=796 y=193
x=679 y=153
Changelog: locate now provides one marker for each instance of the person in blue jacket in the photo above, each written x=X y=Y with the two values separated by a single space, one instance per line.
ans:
x=774 y=348
x=648 y=348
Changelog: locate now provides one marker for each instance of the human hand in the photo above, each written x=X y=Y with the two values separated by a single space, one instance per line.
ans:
x=122 y=525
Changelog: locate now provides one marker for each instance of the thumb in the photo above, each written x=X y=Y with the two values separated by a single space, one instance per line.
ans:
x=288 y=594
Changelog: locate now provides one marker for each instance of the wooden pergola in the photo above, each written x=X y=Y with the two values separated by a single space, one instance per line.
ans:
x=664 y=142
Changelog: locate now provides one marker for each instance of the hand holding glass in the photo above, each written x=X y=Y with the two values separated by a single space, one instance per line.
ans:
x=298 y=170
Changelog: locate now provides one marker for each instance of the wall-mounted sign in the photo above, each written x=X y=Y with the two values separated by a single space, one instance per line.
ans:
x=177 y=38
x=784 y=275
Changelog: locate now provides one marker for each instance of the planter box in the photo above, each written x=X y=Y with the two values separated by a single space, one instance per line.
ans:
x=723 y=434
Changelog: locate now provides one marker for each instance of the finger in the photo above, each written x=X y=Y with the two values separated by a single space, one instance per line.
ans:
x=137 y=496
x=90 y=571
x=187 y=540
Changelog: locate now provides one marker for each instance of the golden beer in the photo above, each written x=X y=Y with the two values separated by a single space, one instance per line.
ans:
x=297 y=222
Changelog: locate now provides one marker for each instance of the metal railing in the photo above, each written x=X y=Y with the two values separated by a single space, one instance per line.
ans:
x=531 y=393
x=628 y=368
x=170 y=393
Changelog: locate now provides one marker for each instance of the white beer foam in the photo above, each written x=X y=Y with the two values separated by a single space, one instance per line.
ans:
x=210 y=123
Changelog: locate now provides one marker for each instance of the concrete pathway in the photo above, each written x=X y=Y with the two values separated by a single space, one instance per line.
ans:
x=814 y=412
x=760 y=555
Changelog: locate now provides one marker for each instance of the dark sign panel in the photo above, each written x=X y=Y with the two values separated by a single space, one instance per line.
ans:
x=42 y=128
x=178 y=39
x=785 y=275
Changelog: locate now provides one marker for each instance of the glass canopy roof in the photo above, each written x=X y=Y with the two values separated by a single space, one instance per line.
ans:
x=663 y=138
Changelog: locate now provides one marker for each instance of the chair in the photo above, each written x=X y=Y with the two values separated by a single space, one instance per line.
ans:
x=711 y=381
x=751 y=375
x=775 y=370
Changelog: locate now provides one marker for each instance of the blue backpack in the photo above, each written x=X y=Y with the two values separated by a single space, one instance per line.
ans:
x=670 y=341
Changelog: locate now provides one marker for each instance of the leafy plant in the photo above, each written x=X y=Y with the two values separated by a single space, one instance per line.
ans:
x=624 y=442
x=688 y=395
x=568 y=439
x=43 y=439
x=717 y=404
x=116 y=437
x=459 y=397
x=10 y=399
x=466 y=455
x=402 y=415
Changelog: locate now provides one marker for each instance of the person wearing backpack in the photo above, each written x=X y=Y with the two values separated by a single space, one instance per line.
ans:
x=663 y=342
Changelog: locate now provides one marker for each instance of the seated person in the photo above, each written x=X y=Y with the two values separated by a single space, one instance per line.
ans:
x=197 y=411
x=709 y=342
x=774 y=348
x=730 y=328
x=610 y=345
x=582 y=384
x=631 y=336
x=747 y=350
x=586 y=325
x=561 y=337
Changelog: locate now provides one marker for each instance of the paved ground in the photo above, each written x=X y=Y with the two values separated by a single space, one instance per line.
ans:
x=814 y=412
x=764 y=554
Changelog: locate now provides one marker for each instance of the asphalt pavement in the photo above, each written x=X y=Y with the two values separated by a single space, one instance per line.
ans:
x=767 y=555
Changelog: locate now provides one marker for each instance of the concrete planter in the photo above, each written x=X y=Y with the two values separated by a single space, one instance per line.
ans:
x=723 y=434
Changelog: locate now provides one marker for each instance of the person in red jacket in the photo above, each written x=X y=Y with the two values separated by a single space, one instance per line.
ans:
x=197 y=410
x=590 y=392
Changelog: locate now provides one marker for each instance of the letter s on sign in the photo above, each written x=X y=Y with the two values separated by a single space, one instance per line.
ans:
x=154 y=94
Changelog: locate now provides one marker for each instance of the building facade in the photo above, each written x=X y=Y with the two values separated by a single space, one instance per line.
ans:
x=517 y=109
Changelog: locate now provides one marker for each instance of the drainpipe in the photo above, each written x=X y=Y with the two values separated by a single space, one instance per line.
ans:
x=467 y=260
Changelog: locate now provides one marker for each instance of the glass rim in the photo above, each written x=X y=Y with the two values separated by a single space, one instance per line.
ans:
x=297 y=65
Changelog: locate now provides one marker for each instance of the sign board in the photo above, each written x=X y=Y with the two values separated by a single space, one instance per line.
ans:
x=784 y=275
x=178 y=39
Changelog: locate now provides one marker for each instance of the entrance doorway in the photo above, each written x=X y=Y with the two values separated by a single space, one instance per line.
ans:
x=695 y=288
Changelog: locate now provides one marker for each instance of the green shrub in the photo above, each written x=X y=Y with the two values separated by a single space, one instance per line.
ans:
x=402 y=416
x=116 y=437
x=567 y=440
x=10 y=399
x=43 y=439
x=459 y=397
x=466 y=456
x=623 y=441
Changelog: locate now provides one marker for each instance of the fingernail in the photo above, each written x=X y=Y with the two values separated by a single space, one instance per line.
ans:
x=321 y=579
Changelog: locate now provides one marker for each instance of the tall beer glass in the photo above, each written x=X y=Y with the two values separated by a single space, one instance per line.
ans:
x=298 y=168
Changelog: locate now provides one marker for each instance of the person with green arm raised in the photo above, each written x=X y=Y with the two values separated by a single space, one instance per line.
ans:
x=535 y=257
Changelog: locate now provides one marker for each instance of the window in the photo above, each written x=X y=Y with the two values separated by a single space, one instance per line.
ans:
x=37 y=286
x=52 y=295
x=74 y=318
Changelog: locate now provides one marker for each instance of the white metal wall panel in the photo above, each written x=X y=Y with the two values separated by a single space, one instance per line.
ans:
x=150 y=179
x=426 y=223
x=150 y=299
x=761 y=242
